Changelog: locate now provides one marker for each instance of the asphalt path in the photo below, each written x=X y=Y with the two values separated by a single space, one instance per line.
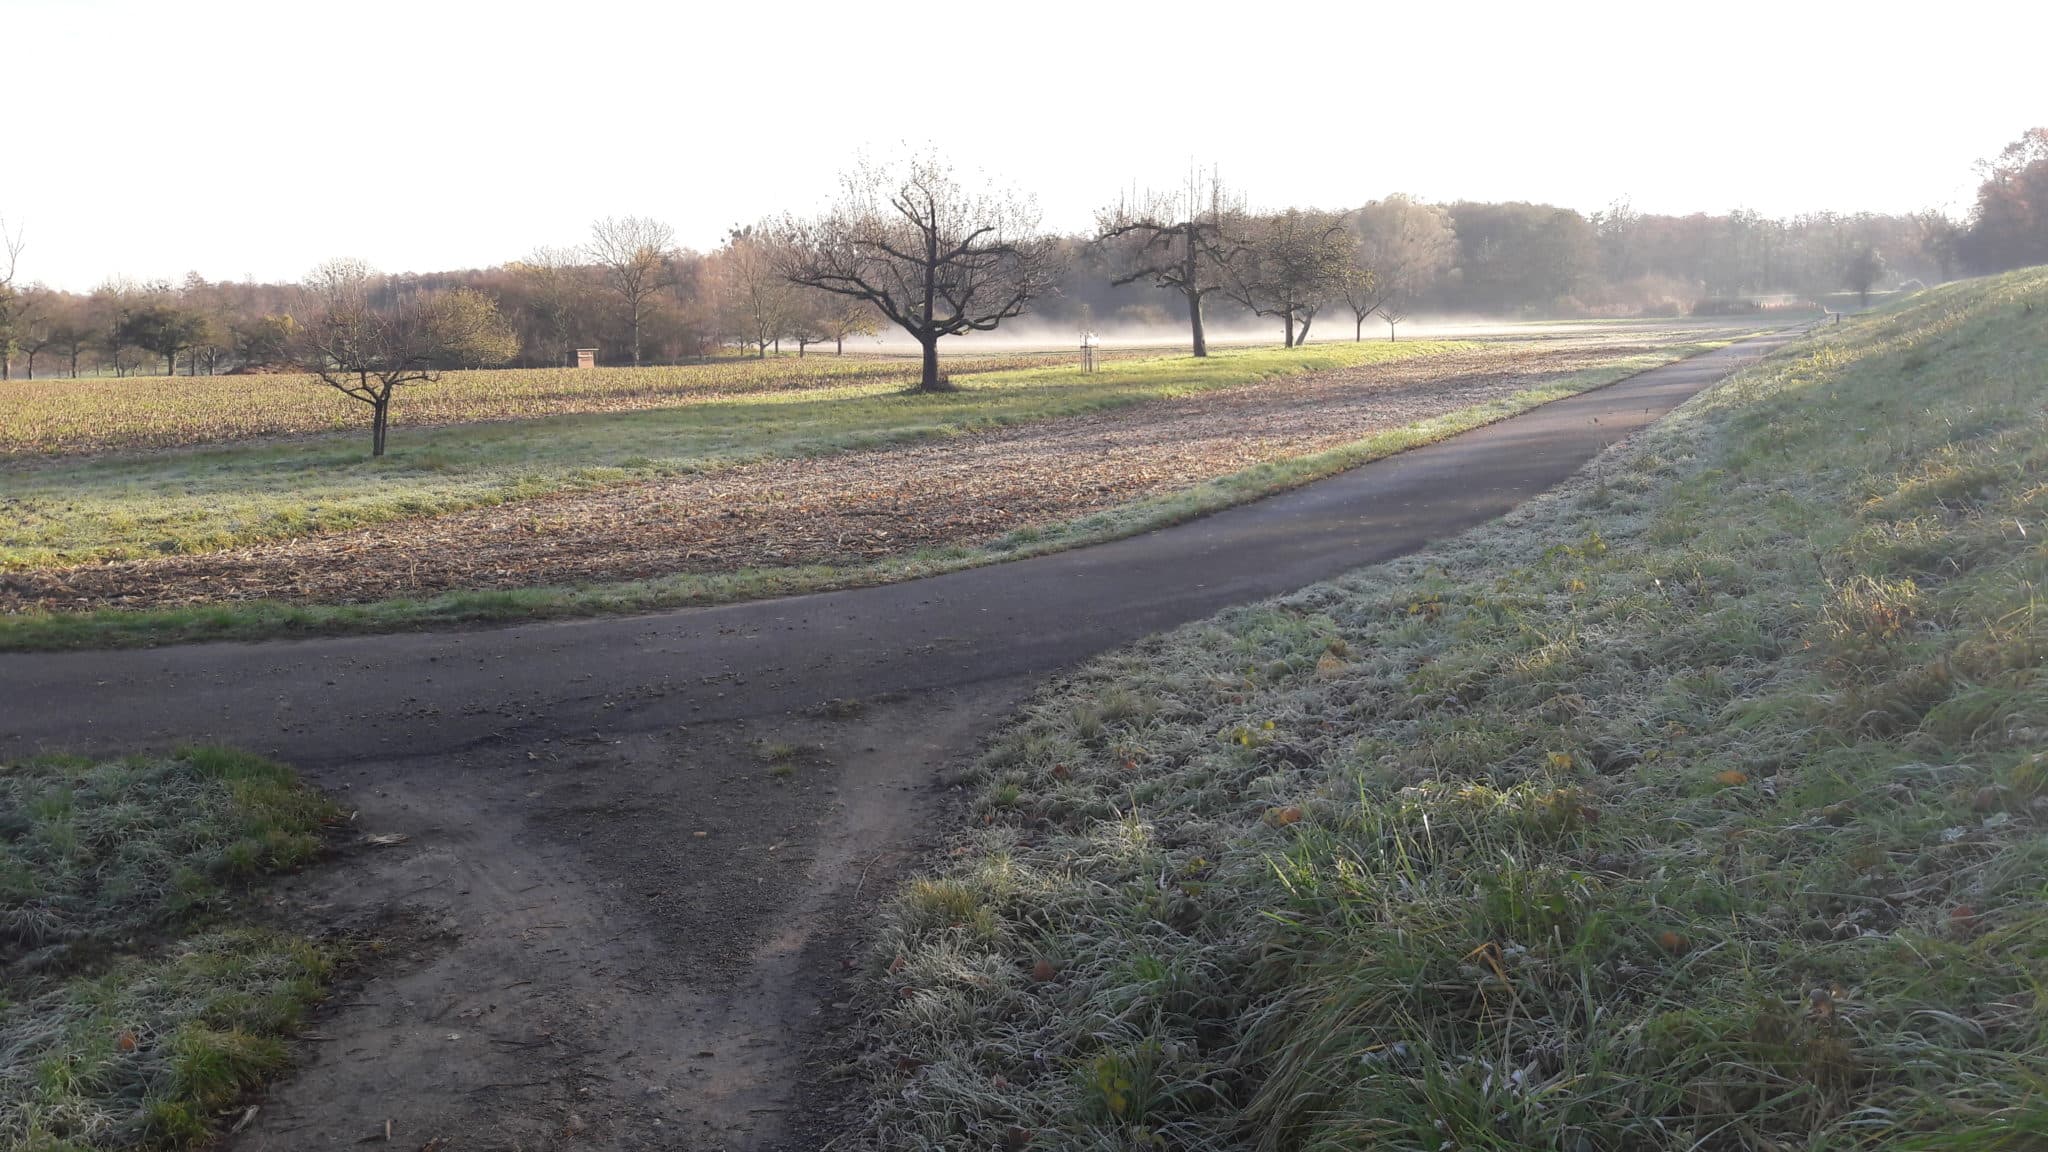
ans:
x=429 y=694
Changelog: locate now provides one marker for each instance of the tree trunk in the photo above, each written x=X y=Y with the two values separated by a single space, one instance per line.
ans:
x=839 y=346
x=1305 y=322
x=380 y=419
x=1289 y=318
x=31 y=365
x=1390 y=331
x=74 y=363
x=929 y=381
x=636 y=335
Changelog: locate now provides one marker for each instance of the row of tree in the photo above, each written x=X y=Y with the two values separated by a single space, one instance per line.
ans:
x=1192 y=254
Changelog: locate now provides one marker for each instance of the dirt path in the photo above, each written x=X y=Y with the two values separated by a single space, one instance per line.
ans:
x=587 y=970
x=844 y=509
x=629 y=942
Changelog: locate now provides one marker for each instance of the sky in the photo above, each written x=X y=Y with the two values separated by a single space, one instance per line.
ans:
x=255 y=140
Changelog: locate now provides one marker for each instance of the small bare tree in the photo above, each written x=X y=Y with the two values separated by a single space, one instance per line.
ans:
x=1293 y=262
x=1183 y=241
x=633 y=252
x=1393 y=310
x=13 y=304
x=368 y=339
x=756 y=302
x=826 y=318
x=37 y=324
x=934 y=257
x=1401 y=248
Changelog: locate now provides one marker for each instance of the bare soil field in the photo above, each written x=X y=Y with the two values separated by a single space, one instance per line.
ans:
x=838 y=509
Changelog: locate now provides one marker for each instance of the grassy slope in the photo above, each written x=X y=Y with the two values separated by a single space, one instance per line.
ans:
x=127 y=506
x=257 y=619
x=1696 y=806
x=125 y=1020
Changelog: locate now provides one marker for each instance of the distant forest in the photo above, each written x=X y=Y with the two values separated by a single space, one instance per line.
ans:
x=1466 y=258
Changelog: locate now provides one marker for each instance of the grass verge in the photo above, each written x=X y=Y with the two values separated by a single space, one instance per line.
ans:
x=106 y=628
x=1697 y=805
x=126 y=1019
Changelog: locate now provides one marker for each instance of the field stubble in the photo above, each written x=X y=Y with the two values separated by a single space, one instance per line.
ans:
x=1002 y=485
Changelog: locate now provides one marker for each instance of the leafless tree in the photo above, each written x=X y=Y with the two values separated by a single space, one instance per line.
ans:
x=554 y=276
x=36 y=324
x=1400 y=249
x=756 y=302
x=823 y=317
x=12 y=302
x=72 y=330
x=934 y=257
x=1292 y=263
x=633 y=253
x=1183 y=241
x=367 y=348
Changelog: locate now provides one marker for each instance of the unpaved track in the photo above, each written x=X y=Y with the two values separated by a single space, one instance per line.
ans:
x=629 y=906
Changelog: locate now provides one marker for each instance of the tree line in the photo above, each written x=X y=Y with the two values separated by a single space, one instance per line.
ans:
x=911 y=246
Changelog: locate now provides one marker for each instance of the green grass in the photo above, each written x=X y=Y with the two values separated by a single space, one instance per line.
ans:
x=93 y=854
x=126 y=1020
x=150 y=1053
x=1697 y=805
x=259 y=619
x=117 y=507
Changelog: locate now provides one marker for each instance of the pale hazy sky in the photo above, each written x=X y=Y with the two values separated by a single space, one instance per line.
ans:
x=257 y=139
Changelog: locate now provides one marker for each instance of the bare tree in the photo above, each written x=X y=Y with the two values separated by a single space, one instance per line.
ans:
x=1393 y=310
x=554 y=276
x=367 y=348
x=36 y=324
x=12 y=303
x=633 y=253
x=72 y=330
x=824 y=317
x=1292 y=263
x=934 y=257
x=1401 y=248
x=1183 y=241
x=757 y=303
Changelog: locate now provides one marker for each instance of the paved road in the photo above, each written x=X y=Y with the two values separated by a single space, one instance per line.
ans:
x=326 y=701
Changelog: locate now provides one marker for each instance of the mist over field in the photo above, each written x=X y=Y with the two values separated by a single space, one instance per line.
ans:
x=630 y=294
x=1032 y=334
